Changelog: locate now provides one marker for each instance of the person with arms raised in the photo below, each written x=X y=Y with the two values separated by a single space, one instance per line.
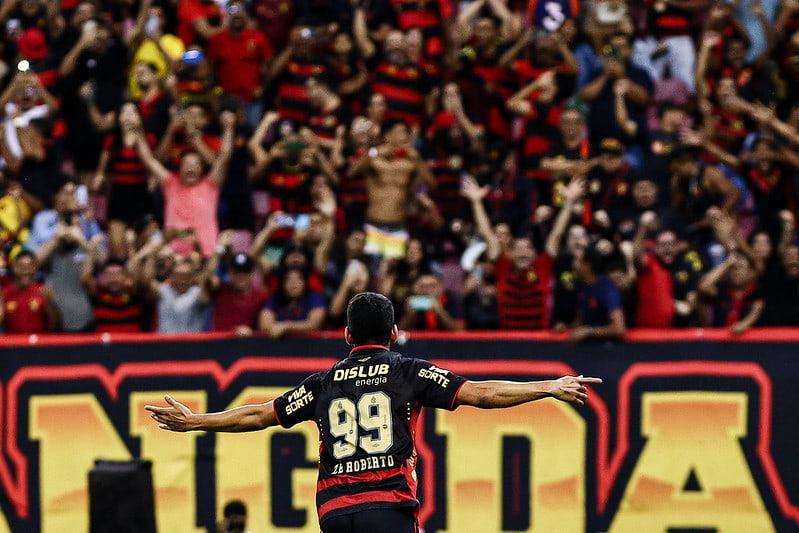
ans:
x=365 y=408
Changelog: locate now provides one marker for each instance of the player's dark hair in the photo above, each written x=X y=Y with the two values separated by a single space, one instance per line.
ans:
x=234 y=507
x=370 y=318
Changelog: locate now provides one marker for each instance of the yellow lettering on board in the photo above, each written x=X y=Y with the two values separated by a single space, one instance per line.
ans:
x=73 y=430
x=692 y=472
x=474 y=466
x=173 y=456
x=243 y=471
x=4 y=523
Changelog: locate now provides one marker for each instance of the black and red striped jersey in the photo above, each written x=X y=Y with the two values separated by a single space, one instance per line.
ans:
x=428 y=16
x=541 y=128
x=405 y=88
x=292 y=97
x=117 y=312
x=366 y=408
x=125 y=165
x=667 y=20
x=353 y=188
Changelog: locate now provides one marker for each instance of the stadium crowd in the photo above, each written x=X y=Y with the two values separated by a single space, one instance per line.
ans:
x=194 y=165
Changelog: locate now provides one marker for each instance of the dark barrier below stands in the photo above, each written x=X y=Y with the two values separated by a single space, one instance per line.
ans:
x=691 y=431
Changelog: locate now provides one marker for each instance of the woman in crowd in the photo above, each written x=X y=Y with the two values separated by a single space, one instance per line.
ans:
x=294 y=308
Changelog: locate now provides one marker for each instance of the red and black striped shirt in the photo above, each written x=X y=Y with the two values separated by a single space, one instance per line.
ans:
x=117 y=312
x=427 y=15
x=523 y=296
x=292 y=96
x=404 y=88
x=447 y=194
x=125 y=165
x=353 y=188
x=541 y=129
x=669 y=22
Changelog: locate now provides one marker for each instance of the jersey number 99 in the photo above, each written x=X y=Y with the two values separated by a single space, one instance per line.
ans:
x=372 y=413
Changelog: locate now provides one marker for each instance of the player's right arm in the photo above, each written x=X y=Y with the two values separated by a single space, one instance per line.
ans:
x=498 y=394
x=178 y=417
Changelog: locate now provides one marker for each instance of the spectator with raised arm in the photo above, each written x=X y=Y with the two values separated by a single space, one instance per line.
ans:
x=198 y=20
x=736 y=295
x=62 y=260
x=669 y=46
x=667 y=276
x=94 y=72
x=394 y=172
x=182 y=300
x=599 y=92
x=523 y=276
x=356 y=279
x=192 y=196
x=780 y=278
x=116 y=294
x=66 y=208
x=122 y=172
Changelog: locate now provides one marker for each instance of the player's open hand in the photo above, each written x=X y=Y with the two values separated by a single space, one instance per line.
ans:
x=177 y=417
x=572 y=389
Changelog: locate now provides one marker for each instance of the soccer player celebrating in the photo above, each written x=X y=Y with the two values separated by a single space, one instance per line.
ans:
x=366 y=407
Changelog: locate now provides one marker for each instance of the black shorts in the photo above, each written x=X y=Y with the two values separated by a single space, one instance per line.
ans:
x=373 y=520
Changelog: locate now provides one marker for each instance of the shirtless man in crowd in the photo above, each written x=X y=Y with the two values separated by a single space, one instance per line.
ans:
x=395 y=175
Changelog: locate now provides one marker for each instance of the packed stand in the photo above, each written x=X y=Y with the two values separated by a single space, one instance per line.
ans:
x=202 y=165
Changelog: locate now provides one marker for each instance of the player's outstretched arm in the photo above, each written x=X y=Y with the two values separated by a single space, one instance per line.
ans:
x=178 y=417
x=496 y=394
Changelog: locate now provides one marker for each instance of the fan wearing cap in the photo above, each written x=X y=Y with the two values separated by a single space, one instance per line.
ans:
x=237 y=300
x=35 y=56
x=609 y=184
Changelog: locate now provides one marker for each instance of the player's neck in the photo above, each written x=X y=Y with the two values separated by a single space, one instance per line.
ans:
x=369 y=347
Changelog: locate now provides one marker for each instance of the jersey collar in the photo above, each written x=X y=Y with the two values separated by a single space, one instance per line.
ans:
x=369 y=347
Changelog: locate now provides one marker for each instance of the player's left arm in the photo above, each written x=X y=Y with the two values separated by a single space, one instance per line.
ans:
x=178 y=417
x=497 y=394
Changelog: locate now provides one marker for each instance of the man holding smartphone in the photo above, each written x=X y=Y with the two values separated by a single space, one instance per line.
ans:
x=428 y=308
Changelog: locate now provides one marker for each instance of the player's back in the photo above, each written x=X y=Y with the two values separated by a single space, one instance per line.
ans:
x=366 y=408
